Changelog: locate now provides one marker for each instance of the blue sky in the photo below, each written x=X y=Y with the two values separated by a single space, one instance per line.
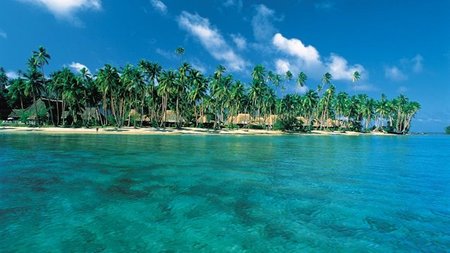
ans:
x=398 y=46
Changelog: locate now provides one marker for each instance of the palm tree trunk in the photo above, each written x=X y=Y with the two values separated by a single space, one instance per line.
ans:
x=177 y=115
x=36 y=121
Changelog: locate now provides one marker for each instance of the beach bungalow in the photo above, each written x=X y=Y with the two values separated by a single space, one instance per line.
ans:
x=28 y=115
x=170 y=118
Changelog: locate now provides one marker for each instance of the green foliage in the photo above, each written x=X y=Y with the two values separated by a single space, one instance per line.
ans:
x=287 y=124
x=257 y=127
x=180 y=96
x=447 y=130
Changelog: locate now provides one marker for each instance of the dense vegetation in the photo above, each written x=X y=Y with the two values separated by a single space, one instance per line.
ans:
x=447 y=130
x=142 y=94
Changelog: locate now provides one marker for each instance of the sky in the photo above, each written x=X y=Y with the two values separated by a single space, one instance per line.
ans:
x=398 y=46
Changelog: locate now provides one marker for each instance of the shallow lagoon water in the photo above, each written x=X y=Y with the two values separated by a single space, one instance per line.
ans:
x=123 y=193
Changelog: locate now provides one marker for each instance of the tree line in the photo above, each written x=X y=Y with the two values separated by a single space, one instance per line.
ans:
x=145 y=93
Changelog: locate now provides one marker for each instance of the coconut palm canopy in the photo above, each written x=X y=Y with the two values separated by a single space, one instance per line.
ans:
x=148 y=94
x=364 y=50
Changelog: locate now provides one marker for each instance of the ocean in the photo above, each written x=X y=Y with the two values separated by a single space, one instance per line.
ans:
x=186 y=193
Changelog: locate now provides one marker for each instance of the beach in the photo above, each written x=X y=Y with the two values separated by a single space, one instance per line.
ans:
x=174 y=131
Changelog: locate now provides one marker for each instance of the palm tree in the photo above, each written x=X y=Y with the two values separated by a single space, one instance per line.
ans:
x=382 y=109
x=258 y=88
x=356 y=76
x=310 y=102
x=167 y=80
x=41 y=57
x=367 y=111
x=107 y=80
x=151 y=72
x=197 y=91
x=3 y=80
x=92 y=96
x=326 y=104
x=179 y=89
x=301 y=79
x=410 y=110
x=17 y=91
x=179 y=51
x=342 y=106
x=237 y=93
x=35 y=84
x=134 y=91
x=288 y=75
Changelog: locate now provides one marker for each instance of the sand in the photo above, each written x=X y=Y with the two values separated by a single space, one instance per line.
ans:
x=170 y=131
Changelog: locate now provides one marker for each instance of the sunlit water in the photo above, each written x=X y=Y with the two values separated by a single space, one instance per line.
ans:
x=111 y=193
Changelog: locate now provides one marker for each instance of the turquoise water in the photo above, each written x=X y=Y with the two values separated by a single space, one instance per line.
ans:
x=111 y=193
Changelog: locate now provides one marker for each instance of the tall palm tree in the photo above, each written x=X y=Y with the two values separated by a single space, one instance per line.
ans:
x=34 y=85
x=197 y=91
x=342 y=107
x=151 y=72
x=180 y=51
x=326 y=104
x=107 y=80
x=167 y=80
x=367 y=111
x=356 y=76
x=310 y=102
x=258 y=88
x=17 y=91
x=237 y=92
x=301 y=79
x=179 y=89
x=134 y=92
x=3 y=79
x=289 y=75
x=382 y=109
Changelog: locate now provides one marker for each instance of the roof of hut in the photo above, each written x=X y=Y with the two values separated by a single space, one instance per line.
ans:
x=207 y=118
x=171 y=117
x=241 y=118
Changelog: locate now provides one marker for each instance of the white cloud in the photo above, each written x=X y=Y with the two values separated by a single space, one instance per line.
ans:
x=166 y=54
x=211 y=40
x=301 y=89
x=326 y=5
x=231 y=3
x=405 y=68
x=159 y=6
x=394 y=73
x=263 y=28
x=282 y=66
x=12 y=75
x=294 y=47
x=417 y=65
x=402 y=89
x=363 y=87
x=3 y=34
x=240 y=41
x=65 y=9
x=307 y=58
x=339 y=69
x=77 y=67
x=196 y=64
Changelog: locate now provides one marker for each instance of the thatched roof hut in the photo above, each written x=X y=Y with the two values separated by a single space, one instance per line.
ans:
x=30 y=111
x=171 y=117
x=240 y=119
x=206 y=119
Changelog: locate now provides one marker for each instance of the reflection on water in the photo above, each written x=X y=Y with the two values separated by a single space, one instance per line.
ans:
x=77 y=193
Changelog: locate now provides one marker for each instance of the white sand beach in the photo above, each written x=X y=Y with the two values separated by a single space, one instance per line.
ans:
x=170 y=131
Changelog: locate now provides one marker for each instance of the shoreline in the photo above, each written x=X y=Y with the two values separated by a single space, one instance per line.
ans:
x=173 y=131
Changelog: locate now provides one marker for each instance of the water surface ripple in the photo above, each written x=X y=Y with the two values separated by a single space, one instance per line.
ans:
x=124 y=193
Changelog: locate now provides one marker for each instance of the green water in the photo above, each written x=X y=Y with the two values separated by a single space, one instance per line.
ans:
x=112 y=193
